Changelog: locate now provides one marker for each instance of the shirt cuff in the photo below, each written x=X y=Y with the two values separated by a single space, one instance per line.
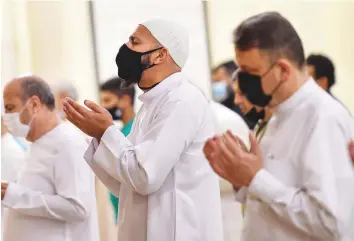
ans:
x=112 y=146
x=114 y=140
x=12 y=195
x=241 y=194
x=265 y=186
x=91 y=150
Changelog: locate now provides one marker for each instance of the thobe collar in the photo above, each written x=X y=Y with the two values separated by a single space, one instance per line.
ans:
x=301 y=94
x=168 y=84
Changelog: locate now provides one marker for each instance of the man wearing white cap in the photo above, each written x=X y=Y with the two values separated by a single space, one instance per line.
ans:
x=166 y=188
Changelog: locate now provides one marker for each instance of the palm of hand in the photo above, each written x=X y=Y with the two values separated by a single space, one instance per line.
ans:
x=93 y=122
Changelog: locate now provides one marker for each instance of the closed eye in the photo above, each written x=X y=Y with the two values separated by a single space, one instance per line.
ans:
x=9 y=108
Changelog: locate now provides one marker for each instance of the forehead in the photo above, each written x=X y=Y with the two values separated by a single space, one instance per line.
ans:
x=12 y=91
x=107 y=94
x=219 y=74
x=251 y=60
x=142 y=34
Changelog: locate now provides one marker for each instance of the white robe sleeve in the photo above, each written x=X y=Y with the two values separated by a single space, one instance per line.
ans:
x=112 y=184
x=74 y=194
x=146 y=165
x=323 y=205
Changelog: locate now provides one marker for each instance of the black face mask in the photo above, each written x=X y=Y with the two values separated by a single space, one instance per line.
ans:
x=130 y=66
x=255 y=116
x=116 y=113
x=251 y=86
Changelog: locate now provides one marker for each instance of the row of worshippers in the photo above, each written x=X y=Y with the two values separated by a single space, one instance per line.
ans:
x=297 y=184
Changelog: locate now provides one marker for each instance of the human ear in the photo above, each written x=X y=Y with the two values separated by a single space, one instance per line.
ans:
x=161 y=56
x=285 y=69
x=35 y=103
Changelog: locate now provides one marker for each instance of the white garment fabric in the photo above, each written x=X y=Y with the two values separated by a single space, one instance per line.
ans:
x=306 y=189
x=106 y=224
x=172 y=36
x=54 y=197
x=226 y=119
x=167 y=190
x=12 y=159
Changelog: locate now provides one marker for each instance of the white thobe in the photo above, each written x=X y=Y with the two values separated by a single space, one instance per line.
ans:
x=54 y=197
x=167 y=190
x=306 y=189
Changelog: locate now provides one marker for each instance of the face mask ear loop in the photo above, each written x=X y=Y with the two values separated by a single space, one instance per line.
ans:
x=148 y=67
x=278 y=85
x=148 y=53
x=34 y=115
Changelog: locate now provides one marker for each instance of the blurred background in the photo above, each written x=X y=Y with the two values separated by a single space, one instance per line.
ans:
x=78 y=41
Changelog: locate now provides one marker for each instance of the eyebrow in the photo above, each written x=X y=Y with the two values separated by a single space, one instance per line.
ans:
x=133 y=38
x=7 y=106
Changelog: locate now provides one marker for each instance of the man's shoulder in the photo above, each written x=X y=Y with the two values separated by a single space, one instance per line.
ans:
x=326 y=109
x=186 y=91
x=326 y=106
x=70 y=135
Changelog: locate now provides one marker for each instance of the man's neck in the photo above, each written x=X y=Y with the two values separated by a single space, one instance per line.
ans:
x=128 y=115
x=157 y=75
x=289 y=88
x=268 y=115
x=44 y=124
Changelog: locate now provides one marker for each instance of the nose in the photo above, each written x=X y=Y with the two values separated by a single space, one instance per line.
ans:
x=129 y=44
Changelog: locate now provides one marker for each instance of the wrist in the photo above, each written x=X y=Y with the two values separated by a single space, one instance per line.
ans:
x=249 y=181
x=104 y=129
x=236 y=188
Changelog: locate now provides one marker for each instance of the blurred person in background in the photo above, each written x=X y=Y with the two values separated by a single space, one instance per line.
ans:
x=166 y=188
x=12 y=159
x=257 y=115
x=222 y=85
x=119 y=102
x=322 y=70
x=12 y=154
x=53 y=198
x=298 y=183
x=63 y=89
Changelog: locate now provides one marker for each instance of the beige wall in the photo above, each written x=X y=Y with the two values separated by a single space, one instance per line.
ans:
x=53 y=39
x=324 y=26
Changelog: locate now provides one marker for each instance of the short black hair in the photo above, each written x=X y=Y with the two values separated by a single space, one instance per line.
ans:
x=229 y=66
x=115 y=86
x=35 y=86
x=270 y=32
x=323 y=66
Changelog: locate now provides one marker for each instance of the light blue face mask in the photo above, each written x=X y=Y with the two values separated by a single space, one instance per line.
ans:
x=219 y=91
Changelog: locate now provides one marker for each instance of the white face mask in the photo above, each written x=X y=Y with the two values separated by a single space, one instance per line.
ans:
x=14 y=124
